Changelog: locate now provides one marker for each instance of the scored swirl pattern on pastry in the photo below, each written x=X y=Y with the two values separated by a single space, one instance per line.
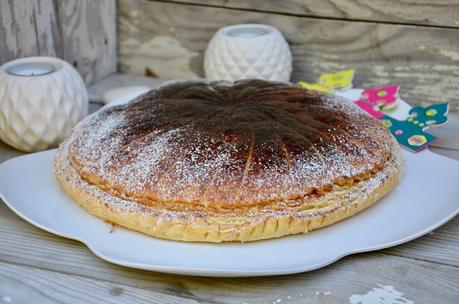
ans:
x=221 y=146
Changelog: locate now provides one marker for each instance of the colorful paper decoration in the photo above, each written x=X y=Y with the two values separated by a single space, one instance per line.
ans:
x=410 y=132
x=339 y=80
x=331 y=81
x=315 y=87
x=383 y=99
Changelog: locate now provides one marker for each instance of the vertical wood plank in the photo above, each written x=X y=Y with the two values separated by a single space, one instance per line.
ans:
x=28 y=28
x=81 y=32
x=89 y=36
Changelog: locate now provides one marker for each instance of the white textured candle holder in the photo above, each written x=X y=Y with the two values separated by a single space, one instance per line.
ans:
x=41 y=99
x=248 y=51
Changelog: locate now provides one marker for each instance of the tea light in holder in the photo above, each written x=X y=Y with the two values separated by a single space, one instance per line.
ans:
x=248 y=51
x=41 y=100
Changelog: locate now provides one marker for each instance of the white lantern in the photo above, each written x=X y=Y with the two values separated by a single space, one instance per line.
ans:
x=247 y=51
x=41 y=99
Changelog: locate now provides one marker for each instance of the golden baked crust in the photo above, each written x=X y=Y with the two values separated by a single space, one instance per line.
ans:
x=194 y=161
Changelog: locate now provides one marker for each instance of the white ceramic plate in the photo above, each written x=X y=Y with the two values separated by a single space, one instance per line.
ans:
x=426 y=198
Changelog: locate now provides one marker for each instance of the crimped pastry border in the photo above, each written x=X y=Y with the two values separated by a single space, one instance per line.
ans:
x=211 y=228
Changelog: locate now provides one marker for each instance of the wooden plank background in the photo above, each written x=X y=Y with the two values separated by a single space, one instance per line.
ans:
x=423 y=59
x=443 y=13
x=82 y=32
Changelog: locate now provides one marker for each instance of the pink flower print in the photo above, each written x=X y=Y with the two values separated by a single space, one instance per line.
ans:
x=382 y=98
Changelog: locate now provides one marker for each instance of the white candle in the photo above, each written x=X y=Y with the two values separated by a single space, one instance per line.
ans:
x=28 y=69
x=41 y=100
x=249 y=31
x=248 y=51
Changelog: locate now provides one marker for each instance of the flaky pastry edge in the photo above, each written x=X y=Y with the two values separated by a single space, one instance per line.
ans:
x=257 y=223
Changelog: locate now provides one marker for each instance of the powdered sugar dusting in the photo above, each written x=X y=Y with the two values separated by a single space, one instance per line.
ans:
x=191 y=142
x=300 y=209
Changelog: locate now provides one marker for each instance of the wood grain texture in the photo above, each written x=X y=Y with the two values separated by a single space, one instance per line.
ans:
x=80 y=32
x=7 y=152
x=22 y=284
x=454 y=154
x=424 y=61
x=438 y=13
x=28 y=28
x=448 y=135
x=89 y=36
x=27 y=245
x=440 y=246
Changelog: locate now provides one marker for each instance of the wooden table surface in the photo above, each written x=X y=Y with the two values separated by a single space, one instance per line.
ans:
x=39 y=267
